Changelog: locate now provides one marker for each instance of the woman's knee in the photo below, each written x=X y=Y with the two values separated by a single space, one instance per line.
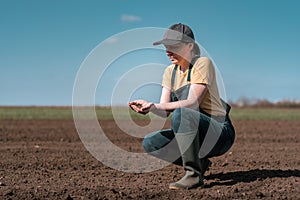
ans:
x=156 y=140
x=147 y=145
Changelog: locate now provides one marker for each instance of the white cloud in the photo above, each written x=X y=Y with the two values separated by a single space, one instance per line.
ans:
x=130 y=18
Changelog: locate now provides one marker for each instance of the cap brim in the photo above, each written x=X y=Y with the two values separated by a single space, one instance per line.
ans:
x=167 y=42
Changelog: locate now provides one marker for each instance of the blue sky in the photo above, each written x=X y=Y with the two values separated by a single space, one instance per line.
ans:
x=43 y=43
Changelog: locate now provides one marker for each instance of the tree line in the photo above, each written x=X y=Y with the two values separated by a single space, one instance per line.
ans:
x=264 y=103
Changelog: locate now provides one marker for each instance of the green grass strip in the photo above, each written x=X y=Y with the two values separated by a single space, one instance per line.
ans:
x=122 y=113
x=32 y=112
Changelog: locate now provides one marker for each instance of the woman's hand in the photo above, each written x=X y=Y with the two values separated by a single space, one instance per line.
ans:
x=140 y=106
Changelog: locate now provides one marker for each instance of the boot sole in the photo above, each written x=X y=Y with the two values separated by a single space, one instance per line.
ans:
x=177 y=186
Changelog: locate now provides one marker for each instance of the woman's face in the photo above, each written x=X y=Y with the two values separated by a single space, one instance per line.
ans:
x=179 y=52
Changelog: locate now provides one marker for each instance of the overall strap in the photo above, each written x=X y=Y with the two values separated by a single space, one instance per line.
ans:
x=190 y=68
x=189 y=72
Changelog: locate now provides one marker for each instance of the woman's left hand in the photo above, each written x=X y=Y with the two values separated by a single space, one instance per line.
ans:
x=140 y=106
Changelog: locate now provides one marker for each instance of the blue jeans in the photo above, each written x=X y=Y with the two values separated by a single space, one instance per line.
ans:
x=163 y=143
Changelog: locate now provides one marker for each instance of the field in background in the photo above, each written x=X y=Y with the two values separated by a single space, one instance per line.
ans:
x=42 y=157
x=122 y=112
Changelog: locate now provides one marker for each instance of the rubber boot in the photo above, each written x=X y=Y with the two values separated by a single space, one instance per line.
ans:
x=189 y=181
x=189 y=147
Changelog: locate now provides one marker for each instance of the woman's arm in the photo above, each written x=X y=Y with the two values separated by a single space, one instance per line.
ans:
x=164 y=98
x=195 y=97
x=163 y=109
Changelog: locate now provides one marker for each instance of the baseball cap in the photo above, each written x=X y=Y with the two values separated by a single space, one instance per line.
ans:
x=177 y=33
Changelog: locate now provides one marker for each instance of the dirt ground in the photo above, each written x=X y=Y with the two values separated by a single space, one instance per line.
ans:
x=45 y=159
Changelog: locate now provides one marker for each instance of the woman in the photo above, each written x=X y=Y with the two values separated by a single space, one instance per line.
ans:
x=201 y=127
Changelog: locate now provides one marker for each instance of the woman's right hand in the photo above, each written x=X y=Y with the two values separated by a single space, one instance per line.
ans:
x=140 y=106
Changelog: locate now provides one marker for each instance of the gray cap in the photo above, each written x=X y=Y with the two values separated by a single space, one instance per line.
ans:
x=177 y=33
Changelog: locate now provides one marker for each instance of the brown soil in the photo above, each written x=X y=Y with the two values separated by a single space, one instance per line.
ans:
x=45 y=159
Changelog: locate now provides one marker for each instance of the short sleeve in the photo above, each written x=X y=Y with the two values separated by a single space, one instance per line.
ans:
x=166 y=81
x=203 y=71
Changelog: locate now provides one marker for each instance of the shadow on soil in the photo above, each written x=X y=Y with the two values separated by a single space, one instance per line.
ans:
x=232 y=178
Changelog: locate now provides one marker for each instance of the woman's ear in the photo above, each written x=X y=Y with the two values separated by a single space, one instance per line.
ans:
x=191 y=46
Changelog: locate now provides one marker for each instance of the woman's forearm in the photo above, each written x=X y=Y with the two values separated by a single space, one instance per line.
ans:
x=170 y=106
x=196 y=94
x=163 y=108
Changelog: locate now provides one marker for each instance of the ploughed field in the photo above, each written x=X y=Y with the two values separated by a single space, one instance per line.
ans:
x=45 y=159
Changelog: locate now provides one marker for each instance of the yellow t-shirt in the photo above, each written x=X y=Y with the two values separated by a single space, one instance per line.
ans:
x=203 y=72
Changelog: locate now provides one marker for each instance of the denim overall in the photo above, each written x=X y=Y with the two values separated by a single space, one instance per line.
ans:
x=195 y=135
